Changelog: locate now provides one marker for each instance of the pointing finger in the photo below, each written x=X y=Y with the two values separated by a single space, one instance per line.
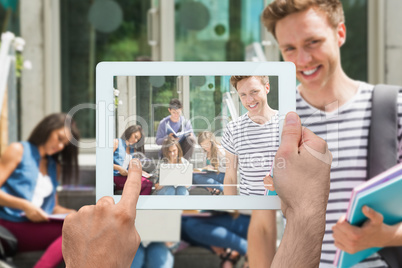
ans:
x=132 y=187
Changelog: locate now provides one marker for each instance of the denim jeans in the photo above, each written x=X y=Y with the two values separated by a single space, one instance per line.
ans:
x=171 y=190
x=219 y=230
x=155 y=255
x=215 y=180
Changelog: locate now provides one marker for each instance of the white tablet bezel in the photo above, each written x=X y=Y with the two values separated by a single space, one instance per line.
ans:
x=105 y=71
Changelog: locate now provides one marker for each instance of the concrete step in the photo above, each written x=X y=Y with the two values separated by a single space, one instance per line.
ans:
x=87 y=176
x=77 y=197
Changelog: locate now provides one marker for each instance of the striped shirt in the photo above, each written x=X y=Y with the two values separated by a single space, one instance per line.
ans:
x=346 y=132
x=255 y=146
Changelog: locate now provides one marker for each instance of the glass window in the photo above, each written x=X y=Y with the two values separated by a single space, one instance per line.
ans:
x=94 y=31
x=354 y=51
x=153 y=94
x=9 y=17
x=208 y=109
x=209 y=30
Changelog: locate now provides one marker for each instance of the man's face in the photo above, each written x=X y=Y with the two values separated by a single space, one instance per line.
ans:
x=253 y=95
x=174 y=114
x=308 y=40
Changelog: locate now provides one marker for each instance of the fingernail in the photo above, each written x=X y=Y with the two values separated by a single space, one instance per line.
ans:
x=291 y=119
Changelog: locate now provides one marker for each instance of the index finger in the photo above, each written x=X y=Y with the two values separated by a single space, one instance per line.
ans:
x=132 y=187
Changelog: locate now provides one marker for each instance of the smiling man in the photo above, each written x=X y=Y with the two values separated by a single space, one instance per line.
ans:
x=252 y=140
x=338 y=109
x=250 y=143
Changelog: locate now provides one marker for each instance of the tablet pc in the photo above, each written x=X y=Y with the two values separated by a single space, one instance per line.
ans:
x=139 y=82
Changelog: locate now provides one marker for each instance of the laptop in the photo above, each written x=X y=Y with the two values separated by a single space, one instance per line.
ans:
x=176 y=175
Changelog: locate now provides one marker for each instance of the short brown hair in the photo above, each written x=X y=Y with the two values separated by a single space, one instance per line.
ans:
x=237 y=78
x=175 y=104
x=279 y=9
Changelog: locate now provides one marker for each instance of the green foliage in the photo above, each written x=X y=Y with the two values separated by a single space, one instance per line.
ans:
x=81 y=47
x=19 y=63
x=123 y=50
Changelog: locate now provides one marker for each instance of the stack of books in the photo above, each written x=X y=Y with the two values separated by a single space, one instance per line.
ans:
x=381 y=193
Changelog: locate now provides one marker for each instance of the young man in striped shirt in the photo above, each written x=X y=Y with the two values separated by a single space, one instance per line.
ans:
x=252 y=140
x=338 y=109
x=250 y=143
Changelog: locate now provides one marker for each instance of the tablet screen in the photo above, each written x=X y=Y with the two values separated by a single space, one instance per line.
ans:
x=189 y=129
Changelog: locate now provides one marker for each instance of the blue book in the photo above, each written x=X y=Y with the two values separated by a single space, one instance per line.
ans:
x=384 y=197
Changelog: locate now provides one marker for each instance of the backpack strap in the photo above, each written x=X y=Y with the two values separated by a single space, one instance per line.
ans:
x=383 y=147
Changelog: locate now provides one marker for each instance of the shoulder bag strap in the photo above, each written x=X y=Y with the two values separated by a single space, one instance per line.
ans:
x=383 y=147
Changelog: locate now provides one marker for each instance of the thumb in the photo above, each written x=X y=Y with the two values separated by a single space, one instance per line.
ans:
x=291 y=134
x=374 y=216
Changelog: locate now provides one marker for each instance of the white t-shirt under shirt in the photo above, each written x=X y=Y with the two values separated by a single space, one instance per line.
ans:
x=346 y=132
x=43 y=189
x=127 y=160
x=255 y=146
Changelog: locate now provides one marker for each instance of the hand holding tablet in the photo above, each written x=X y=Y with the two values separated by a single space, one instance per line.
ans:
x=104 y=235
x=301 y=178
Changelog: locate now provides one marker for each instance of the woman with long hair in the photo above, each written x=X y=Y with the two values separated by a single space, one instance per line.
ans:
x=130 y=145
x=29 y=174
x=172 y=154
x=212 y=174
